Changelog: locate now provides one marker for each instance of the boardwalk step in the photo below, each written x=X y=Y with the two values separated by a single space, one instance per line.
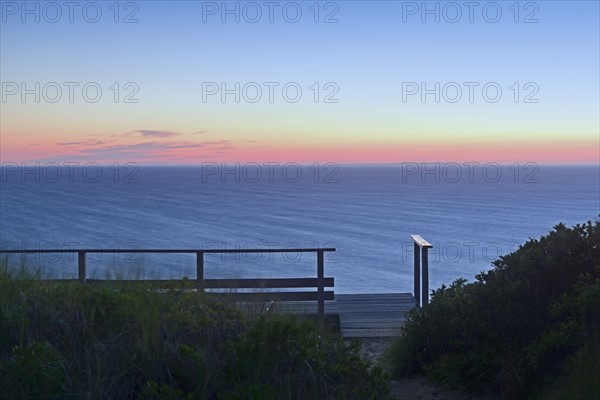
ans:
x=376 y=315
x=369 y=333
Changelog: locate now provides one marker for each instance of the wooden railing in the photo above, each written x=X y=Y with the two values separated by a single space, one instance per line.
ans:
x=320 y=282
x=421 y=270
x=421 y=273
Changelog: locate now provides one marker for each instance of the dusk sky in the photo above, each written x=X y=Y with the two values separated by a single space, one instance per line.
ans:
x=518 y=86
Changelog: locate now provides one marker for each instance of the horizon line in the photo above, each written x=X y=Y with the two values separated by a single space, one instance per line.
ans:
x=356 y=164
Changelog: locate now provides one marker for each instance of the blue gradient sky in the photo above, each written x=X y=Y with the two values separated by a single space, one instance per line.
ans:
x=170 y=52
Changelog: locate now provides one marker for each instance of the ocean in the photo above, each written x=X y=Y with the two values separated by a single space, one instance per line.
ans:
x=470 y=213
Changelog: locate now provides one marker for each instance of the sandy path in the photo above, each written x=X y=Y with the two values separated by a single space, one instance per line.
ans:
x=414 y=388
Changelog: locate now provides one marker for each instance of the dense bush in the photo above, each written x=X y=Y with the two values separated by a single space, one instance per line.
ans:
x=577 y=331
x=71 y=341
x=295 y=361
x=514 y=329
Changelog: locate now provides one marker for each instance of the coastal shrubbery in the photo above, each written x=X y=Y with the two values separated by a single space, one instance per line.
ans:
x=72 y=341
x=529 y=327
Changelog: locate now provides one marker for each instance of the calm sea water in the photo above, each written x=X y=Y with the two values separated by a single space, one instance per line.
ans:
x=471 y=214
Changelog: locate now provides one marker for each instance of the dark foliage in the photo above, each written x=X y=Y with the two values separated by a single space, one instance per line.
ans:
x=518 y=325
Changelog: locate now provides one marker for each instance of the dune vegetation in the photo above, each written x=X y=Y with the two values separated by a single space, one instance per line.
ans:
x=72 y=341
x=528 y=328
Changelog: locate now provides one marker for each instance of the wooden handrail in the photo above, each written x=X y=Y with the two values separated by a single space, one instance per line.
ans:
x=421 y=269
x=421 y=242
x=200 y=281
x=173 y=251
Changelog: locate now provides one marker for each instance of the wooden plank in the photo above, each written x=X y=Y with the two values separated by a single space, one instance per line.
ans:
x=352 y=320
x=378 y=309
x=369 y=333
x=358 y=324
x=212 y=283
x=386 y=308
x=265 y=283
x=382 y=300
x=375 y=318
x=375 y=315
x=372 y=322
x=331 y=304
x=375 y=296
x=364 y=305
x=266 y=296
x=374 y=310
x=390 y=301
x=302 y=307
x=367 y=322
x=377 y=312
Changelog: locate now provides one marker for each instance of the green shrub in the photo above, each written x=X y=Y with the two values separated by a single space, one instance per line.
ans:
x=573 y=342
x=31 y=371
x=514 y=327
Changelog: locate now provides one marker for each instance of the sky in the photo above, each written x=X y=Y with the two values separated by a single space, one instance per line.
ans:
x=186 y=82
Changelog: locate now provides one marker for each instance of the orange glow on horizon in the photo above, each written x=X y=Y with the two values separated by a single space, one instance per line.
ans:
x=186 y=152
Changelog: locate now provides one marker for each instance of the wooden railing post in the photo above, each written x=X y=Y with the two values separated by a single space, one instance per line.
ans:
x=417 y=277
x=321 y=286
x=421 y=284
x=81 y=273
x=425 y=273
x=200 y=270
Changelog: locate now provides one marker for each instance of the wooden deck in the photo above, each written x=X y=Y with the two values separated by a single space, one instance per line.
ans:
x=373 y=315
